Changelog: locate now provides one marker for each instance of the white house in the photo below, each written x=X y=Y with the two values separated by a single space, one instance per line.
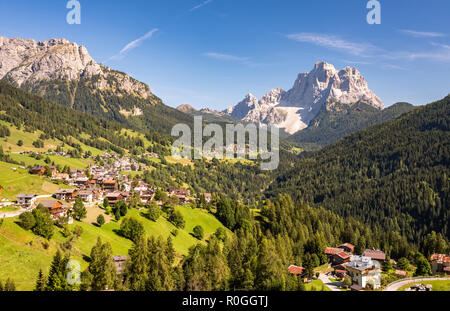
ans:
x=364 y=271
x=26 y=200
x=86 y=196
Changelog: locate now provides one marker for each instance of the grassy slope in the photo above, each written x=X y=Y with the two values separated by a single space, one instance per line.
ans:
x=62 y=161
x=9 y=143
x=20 y=181
x=21 y=260
x=438 y=286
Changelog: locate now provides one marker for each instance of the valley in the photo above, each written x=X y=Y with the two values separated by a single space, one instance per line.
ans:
x=87 y=174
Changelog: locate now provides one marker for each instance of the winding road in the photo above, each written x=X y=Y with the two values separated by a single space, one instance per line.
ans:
x=397 y=285
x=332 y=286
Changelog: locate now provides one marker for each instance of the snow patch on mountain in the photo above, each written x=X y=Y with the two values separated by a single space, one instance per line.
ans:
x=295 y=109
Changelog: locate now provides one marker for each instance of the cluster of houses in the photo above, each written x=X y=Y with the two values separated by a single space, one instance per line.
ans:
x=365 y=270
x=97 y=183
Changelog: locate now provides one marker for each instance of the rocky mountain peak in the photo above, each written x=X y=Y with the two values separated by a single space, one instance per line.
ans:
x=186 y=108
x=25 y=61
x=321 y=88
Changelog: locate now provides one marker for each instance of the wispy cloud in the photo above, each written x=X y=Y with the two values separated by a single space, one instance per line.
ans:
x=441 y=55
x=332 y=42
x=355 y=62
x=134 y=44
x=206 y=2
x=226 y=57
x=421 y=34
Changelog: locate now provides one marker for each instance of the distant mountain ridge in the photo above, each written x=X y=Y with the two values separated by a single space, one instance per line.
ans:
x=293 y=110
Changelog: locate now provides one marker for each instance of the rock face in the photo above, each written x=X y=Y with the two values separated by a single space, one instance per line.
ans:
x=322 y=88
x=186 y=109
x=27 y=62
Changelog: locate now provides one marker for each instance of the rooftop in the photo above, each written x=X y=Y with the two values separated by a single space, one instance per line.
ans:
x=375 y=254
x=440 y=258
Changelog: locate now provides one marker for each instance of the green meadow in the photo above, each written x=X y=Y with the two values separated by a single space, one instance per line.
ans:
x=24 y=253
x=16 y=181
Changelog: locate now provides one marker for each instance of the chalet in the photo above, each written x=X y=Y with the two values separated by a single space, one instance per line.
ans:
x=146 y=197
x=125 y=195
x=26 y=200
x=440 y=263
x=347 y=247
x=38 y=170
x=120 y=262
x=86 y=196
x=110 y=185
x=77 y=173
x=176 y=191
x=81 y=181
x=97 y=194
x=375 y=255
x=62 y=177
x=57 y=209
x=66 y=194
x=364 y=271
x=41 y=170
x=296 y=270
x=208 y=197
x=340 y=271
x=182 y=198
x=330 y=252
x=142 y=188
x=114 y=197
x=340 y=258
x=54 y=170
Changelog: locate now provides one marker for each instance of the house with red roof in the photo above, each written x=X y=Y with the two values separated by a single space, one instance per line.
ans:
x=296 y=270
x=341 y=258
x=440 y=263
x=375 y=255
x=347 y=247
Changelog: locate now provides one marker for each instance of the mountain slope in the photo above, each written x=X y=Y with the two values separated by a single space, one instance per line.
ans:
x=322 y=88
x=65 y=125
x=66 y=73
x=330 y=126
x=394 y=176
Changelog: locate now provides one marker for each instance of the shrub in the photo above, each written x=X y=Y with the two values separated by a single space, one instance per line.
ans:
x=177 y=219
x=154 y=212
x=132 y=229
x=199 y=233
x=44 y=224
x=100 y=220
x=27 y=221
x=221 y=234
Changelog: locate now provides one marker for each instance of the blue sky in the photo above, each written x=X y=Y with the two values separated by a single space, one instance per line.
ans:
x=211 y=53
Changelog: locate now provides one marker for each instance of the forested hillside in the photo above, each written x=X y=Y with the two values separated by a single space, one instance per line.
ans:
x=131 y=111
x=31 y=112
x=330 y=126
x=394 y=175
